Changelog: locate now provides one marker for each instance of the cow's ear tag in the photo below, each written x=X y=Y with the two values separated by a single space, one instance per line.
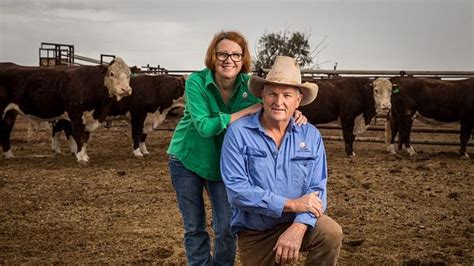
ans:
x=396 y=89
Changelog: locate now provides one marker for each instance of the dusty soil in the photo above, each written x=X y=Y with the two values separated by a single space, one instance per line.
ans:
x=122 y=209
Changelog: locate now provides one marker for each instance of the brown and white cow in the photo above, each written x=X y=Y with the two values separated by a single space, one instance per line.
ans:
x=49 y=93
x=354 y=101
x=430 y=100
x=153 y=97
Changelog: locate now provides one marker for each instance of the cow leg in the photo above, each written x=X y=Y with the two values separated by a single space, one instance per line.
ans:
x=143 y=148
x=6 y=126
x=56 y=134
x=465 y=135
x=63 y=125
x=406 y=123
x=348 y=135
x=67 y=128
x=79 y=135
x=137 y=129
x=391 y=131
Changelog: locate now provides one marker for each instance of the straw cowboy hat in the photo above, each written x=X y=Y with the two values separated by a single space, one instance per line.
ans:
x=285 y=71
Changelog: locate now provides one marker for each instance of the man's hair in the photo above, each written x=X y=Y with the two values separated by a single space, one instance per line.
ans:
x=232 y=36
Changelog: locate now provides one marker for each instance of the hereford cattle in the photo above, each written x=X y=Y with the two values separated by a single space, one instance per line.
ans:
x=153 y=97
x=82 y=93
x=430 y=100
x=354 y=101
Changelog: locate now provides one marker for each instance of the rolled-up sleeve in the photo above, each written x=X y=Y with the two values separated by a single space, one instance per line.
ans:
x=198 y=106
x=240 y=190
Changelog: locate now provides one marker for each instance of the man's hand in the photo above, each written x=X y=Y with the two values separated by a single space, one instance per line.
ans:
x=288 y=246
x=307 y=203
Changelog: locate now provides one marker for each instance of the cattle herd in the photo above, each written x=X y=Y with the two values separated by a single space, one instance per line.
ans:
x=78 y=99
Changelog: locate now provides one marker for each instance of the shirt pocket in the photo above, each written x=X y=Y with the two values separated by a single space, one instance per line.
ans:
x=255 y=162
x=300 y=167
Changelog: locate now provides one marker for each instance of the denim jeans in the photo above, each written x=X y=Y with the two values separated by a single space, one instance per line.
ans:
x=189 y=193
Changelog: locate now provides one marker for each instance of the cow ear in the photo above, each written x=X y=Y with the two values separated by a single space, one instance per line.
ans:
x=368 y=85
x=182 y=80
x=135 y=70
x=395 y=88
x=103 y=69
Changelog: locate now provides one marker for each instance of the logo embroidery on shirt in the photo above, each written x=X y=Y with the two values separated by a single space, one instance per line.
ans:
x=244 y=95
x=302 y=145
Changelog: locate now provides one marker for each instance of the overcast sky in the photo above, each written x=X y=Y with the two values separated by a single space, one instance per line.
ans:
x=361 y=34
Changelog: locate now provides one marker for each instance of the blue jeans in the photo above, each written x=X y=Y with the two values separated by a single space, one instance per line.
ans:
x=189 y=188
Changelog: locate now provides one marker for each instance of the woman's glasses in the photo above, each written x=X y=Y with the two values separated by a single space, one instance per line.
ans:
x=234 y=57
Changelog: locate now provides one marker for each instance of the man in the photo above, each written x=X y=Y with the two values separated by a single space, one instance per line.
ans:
x=275 y=175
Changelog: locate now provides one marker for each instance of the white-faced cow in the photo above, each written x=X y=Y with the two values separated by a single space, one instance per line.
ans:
x=430 y=100
x=49 y=93
x=354 y=101
x=153 y=97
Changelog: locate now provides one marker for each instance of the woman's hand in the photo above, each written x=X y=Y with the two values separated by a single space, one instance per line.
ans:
x=253 y=108
x=247 y=111
x=300 y=119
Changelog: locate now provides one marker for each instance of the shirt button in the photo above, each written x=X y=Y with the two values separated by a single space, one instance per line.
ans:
x=279 y=167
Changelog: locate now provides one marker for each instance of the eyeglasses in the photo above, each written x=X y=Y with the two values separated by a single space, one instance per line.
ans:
x=234 y=57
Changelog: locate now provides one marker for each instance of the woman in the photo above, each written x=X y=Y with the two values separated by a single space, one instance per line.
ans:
x=215 y=97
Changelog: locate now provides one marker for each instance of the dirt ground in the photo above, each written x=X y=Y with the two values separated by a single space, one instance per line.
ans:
x=122 y=209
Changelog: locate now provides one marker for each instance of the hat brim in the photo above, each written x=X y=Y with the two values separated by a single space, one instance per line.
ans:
x=308 y=89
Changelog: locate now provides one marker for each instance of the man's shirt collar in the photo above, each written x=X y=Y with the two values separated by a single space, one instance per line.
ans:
x=255 y=123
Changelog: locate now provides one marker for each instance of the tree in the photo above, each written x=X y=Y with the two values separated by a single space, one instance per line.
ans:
x=294 y=44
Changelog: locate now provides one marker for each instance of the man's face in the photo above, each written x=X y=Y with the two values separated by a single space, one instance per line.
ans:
x=280 y=102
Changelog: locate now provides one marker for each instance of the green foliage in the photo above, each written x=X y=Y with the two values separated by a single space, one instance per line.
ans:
x=294 y=44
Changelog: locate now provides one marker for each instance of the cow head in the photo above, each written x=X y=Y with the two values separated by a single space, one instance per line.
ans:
x=382 y=89
x=117 y=79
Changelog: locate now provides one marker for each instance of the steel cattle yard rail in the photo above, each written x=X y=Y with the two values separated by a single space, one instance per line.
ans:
x=369 y=73
x=320 y=74
x=378 y=140
x=382 y=140
x=392 y=73
x=51 y=54
x=414 y=130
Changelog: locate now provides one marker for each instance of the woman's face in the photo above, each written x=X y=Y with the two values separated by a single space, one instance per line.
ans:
x=229 y=59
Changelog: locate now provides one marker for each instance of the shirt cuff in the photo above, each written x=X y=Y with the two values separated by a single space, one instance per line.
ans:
x=275 y=208
x=306 y=218
x=225 y=119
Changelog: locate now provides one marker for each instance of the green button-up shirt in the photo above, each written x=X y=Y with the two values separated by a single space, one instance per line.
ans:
x=198 y=137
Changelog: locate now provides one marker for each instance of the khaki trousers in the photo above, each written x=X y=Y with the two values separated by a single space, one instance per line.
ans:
x=323 y=244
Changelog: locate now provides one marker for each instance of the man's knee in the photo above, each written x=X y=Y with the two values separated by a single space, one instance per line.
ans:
x=331 y=232
x=334 y=234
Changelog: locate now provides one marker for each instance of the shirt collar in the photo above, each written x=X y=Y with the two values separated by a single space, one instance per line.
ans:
x=255 y=123
x=209 y=79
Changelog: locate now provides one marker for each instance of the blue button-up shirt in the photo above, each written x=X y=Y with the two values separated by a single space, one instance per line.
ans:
x=260 y=178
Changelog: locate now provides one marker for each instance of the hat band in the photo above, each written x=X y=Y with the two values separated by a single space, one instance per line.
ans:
x=284 y=80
